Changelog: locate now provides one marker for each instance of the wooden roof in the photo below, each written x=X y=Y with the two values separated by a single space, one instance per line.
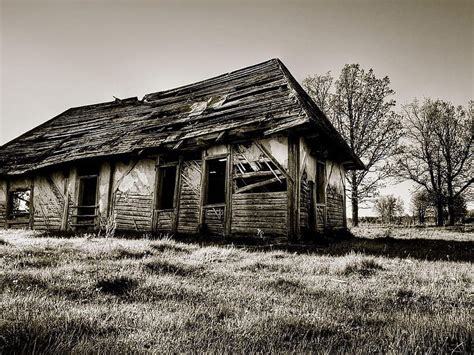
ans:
x=259 y=100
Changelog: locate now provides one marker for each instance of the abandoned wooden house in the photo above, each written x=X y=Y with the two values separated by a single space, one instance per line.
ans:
x=244 y=153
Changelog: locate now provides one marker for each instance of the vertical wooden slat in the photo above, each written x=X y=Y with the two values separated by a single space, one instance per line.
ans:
x=154 y=218
x=203 y=190
x=65 y=213
x=110 y=202
x=228 y=200
x=177 y=194
x=32 y=207
x=292 y=183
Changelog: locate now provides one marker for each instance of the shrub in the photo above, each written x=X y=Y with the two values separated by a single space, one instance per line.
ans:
x=358 y=264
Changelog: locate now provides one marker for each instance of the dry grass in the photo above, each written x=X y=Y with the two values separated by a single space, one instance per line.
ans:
x=117 y=295
x=465 y=233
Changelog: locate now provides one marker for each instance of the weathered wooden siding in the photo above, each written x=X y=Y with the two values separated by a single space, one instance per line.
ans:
x=188 y=215
x=335 y=195
x=306 y=201
x=214 y=220
x=320 y=217
x=335 y=205
x=49 y=201
x=133 y=211
x=259 y=211
x=133 y=185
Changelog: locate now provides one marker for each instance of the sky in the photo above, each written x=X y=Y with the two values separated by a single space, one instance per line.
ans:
x=60 y=54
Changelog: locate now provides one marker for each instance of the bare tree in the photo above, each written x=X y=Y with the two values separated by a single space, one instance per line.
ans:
x=454 y=127
x=388 y=207
x=319 y=88
x=360 y=107
x=420 y=203
x=437 y=148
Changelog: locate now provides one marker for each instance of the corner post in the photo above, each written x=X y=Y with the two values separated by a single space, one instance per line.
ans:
x=229 y=184
x=293 y=186
x=203 y=191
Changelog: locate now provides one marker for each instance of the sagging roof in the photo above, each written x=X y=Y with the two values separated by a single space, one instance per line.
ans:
x=262 y=99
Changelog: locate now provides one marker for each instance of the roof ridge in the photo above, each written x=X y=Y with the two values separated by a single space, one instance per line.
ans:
x=196 y=83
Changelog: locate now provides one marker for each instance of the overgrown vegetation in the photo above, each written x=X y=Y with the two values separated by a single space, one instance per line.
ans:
x=120 y=295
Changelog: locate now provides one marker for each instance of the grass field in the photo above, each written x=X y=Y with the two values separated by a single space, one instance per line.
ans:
x=121 y=295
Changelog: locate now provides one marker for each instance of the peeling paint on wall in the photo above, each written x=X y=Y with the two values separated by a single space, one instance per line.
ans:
x=335 y=175
x=104 y=181
x=278 y=147
x=135 y=177
x=307 y=161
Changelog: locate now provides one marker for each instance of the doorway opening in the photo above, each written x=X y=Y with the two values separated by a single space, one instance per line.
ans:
x=87 y=205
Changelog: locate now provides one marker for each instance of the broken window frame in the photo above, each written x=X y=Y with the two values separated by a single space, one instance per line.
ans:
x=265 y=175
x=159 y=186
x=222 y=158
x=16 y=213
x=320 y=182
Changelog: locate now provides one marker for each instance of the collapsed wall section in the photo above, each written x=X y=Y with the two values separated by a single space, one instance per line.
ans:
x=132 y=194
x=259 y=196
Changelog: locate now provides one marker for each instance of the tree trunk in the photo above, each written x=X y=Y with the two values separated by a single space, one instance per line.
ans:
x=355 y=201
x=439 y=212
x=450 y=203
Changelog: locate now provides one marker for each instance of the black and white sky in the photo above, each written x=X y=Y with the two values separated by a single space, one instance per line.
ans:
x=64 y=53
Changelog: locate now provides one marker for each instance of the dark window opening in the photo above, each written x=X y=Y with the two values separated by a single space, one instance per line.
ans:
x=320 y=182
x=216 y=181
x=167 y=187
x=19 y=203
x=87 y=199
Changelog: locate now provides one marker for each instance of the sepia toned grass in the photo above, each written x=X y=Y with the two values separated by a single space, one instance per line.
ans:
x=121 y=295
x=458 y=233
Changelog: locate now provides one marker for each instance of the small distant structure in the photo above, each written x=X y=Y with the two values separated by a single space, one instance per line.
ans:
x=241 y=153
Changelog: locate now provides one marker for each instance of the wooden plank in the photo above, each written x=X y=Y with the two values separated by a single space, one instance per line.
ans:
x=255 y=174
x=65 y=212
x=257 y=184
x=253 y=226
x=32 y=205
x=266 y=205
x=228 y=190
x=293 y=165
x=202 y=198
x=154 y=221
x=246 y=231
x=261 y=195
x=177 y=194
x=260 y=214
x=110 y=189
